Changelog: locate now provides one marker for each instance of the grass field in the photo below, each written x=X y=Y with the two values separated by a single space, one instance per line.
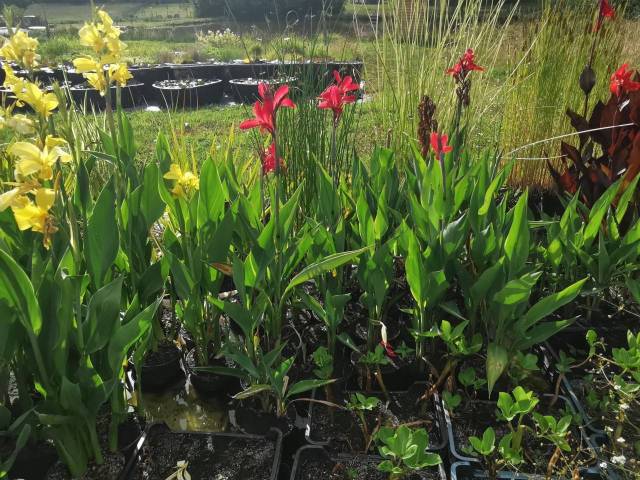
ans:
x=66 y=13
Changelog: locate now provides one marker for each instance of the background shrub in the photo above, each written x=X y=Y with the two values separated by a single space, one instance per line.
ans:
x=259 y=9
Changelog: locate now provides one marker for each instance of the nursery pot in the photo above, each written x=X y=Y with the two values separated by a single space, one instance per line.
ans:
x=206 y=383
x=231 y=456
x=176 y=94
x=471 y=471
x=161 y=367
x=33 y=461
x=314 y=463
x=456 y=455
x=245 y=90
x=402 y=406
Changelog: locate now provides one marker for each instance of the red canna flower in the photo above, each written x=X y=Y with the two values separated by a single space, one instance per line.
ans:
x=621 y=81
x=337 y=95
x=265 y=110
x=439 y=143
x=465 y=65
x=606 y=11
x=269 y=160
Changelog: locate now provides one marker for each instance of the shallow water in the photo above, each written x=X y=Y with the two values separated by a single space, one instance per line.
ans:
x=181 y=408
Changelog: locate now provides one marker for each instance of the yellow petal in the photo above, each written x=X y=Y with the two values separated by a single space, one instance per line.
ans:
x=174 y=173
x=45 y=197
x=29 y=158
x=85 y=65
x=8 y=199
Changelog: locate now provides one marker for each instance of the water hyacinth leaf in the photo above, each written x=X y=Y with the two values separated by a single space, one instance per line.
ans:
x=102 y=240
x=497 y=361
x=17 y=291
x=325 y=265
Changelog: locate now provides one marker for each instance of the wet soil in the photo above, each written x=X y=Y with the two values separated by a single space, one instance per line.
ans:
x=341 y=428
x=473 y=417
x=209 y=457
x=316 y=466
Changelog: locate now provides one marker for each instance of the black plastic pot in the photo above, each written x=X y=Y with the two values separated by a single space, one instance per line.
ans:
x=33 y=462
x=204 y=71
x=245 y=90
x=456 y=456
x=189 y=94
x=314 y=439
x=88 y=97
x=262 y=70
x=213 y=443
x=148 y=76
x=161 y=368
x=366 y=466
x=355 y=69
x=470 y=471
x=210 y=383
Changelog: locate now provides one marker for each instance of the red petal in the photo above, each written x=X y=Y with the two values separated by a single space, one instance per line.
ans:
x=251 y=123
x=336 y=76
x=280 y=95
x=263 y=90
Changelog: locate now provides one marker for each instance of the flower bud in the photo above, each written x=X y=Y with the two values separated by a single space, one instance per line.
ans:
x=587 y=80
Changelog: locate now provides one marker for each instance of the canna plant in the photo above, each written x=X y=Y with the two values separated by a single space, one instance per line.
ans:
x=196 y=244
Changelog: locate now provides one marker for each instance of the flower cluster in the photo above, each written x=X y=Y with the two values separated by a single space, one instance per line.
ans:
x=185 y=181
x=460 y=72
x=105 y=67
x=33 y=192
x=605 y=10
x=21 y=48
x=622 y=81
x=339 y=94
x=31 y=197
x=465 y=65
x=265 y=111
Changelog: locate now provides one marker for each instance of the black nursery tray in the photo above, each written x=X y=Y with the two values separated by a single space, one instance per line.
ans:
x=402 y=406
x=469 y=471
x=457 y=456
x=210 y=456
x=313 y=462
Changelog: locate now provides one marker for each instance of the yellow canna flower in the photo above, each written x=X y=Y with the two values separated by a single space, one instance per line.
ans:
x=18 y=123
x=14 y=197
x=22 y=49
x=174 y=173
x=107 y=25
x=35 y=216
x=120 y=74
x=184 y=181
x=11 y=81
x=91 y=37
x=43 y=103
x=33 y=161
x=97 y=80
x=59 y=147
x=86 y=64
